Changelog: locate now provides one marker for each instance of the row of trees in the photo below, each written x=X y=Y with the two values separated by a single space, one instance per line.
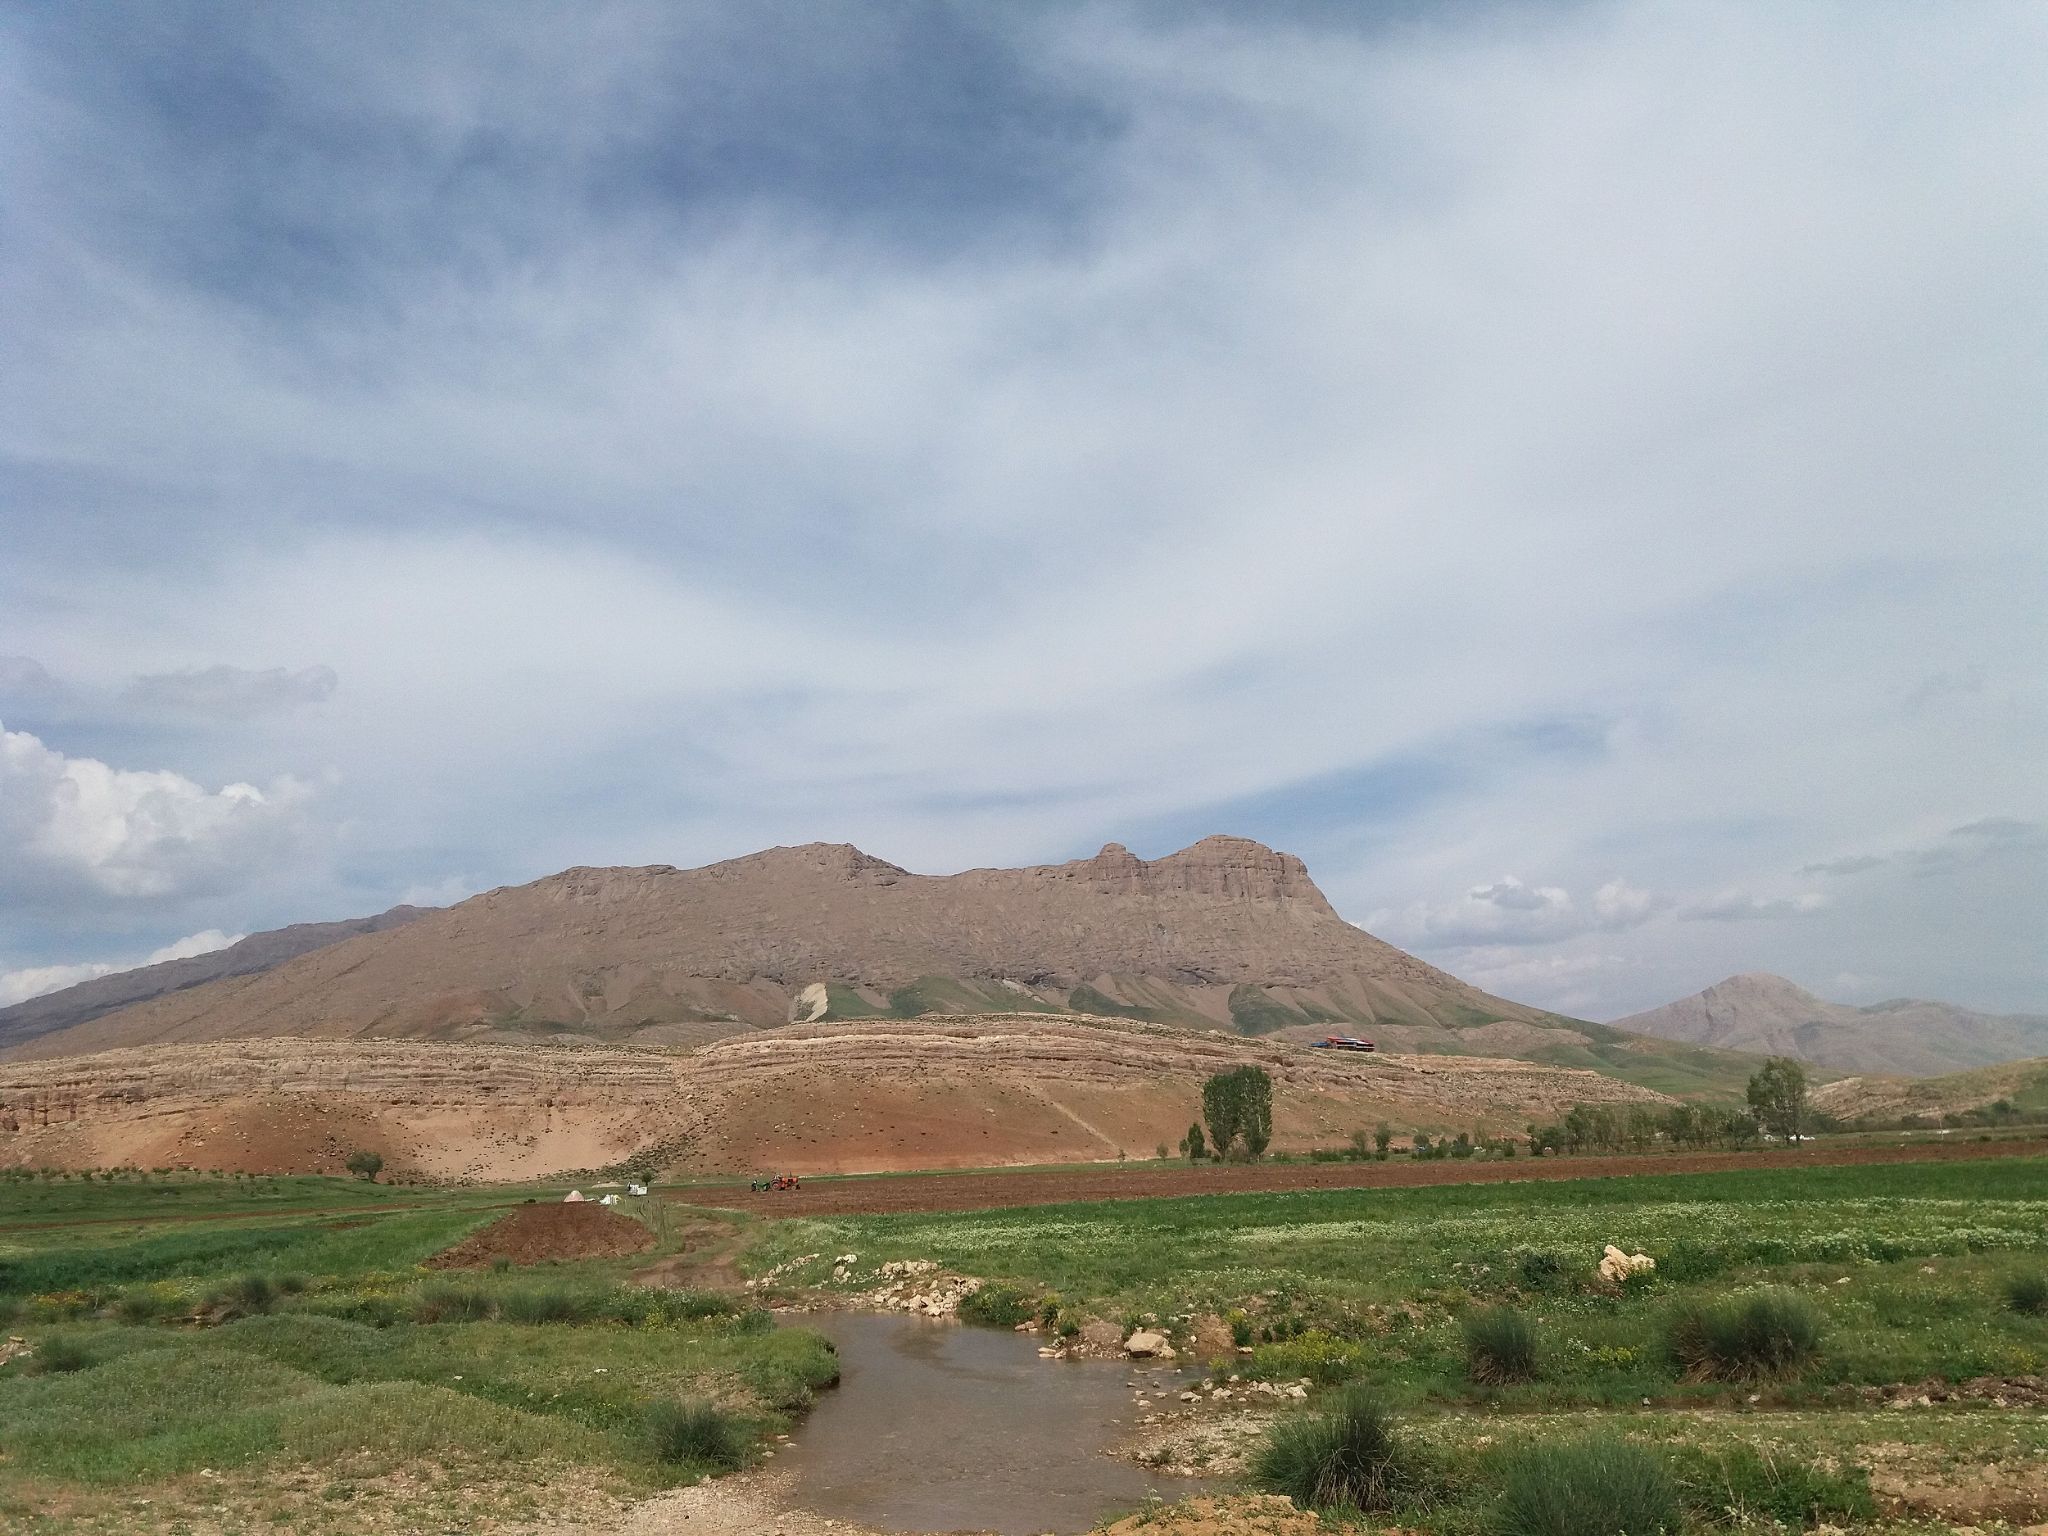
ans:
x=1237 y=1121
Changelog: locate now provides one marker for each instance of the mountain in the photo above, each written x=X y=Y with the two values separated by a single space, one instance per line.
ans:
x=60 y=1010
x=1906 y=1037
x=1227 y=935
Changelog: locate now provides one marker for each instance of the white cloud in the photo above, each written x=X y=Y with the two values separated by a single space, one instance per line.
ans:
x=1510 y=912
x=127 y=834
x=1740 y=906
x=19 y=986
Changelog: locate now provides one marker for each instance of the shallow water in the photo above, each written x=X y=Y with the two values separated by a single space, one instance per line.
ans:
x=939 y=1427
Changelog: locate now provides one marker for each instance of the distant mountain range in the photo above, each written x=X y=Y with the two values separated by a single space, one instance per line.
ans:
x=1907 y=1037
x=1225 y=935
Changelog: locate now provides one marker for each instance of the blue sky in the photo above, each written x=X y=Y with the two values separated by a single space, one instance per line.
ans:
x=1573 y=474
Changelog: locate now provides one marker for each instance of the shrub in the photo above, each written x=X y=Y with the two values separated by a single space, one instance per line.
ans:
x=1543 y=1269
x=1240 y=1327
x=244 y=1296
x=1601 y=1486
x=140 y=1305
x=445 y=1303
x=1500 y=1347
x=1764 y=1333
x=1315 y=1353
x=1350 y=1454
x=695 y=1431
x=551 y=1305
x=59 y=1356
x=2027 y=1293
x=999 y=1305
x=1742 y=1485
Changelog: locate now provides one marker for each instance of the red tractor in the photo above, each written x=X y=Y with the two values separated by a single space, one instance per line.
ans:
x=778 y=1182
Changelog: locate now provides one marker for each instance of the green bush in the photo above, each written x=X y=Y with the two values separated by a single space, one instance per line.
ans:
x=60 y=1356
x=1764 y=1333
x=1348 y=1455
x=2026 y=1292
x=1500 y=1347
x=244 y=1296
x=1319 y=1355
x=999 y=1305
x=554 y=1304
x=1742 y=1486
x=446 y=1303
x=694 y=1431
x=1544 y=1269
x=1600 y=1486
x=140 y=1305
x=1240 y=1327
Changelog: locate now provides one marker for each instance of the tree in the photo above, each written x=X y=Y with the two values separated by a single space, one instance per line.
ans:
x=365 y=1165
x=1219 y=1111
x=1382 y=1138
x=1778 y=1095
x=1239 y=1107
x=1191 y=1144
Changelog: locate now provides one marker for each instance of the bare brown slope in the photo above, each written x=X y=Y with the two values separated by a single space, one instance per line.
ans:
x=669 y=956
x=1904 y=1038
x=872 y=1095
x=258 y=952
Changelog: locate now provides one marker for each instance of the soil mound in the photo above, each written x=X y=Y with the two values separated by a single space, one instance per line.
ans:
x=536 y=1233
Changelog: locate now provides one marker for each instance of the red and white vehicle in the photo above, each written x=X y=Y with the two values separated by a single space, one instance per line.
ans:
x=1344 y=1043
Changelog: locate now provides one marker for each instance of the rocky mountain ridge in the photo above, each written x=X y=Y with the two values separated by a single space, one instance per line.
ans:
x=1905 y=1037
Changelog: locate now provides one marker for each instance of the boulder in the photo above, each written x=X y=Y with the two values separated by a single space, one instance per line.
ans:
x=1147 y=1345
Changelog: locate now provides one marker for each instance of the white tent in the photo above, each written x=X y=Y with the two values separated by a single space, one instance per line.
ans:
x=574 y=1197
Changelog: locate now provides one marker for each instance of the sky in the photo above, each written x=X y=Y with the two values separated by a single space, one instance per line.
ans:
x=1573 y=473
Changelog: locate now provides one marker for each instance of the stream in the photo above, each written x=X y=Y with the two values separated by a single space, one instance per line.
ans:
x=939 y=1427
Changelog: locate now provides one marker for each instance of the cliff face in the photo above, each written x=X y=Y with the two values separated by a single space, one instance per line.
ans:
x=1227 y=933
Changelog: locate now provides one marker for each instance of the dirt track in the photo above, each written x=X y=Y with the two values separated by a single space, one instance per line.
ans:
x=992 y=1191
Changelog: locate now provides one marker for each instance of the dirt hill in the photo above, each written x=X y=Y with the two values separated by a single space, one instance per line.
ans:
x=1906 y=1037
x=856 y=1097
x=2022 y=1084
x=246 y=957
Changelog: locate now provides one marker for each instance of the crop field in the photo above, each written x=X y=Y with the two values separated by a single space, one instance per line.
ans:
x=1868 y=1339
x=268 y=1355
x=1860 y=1347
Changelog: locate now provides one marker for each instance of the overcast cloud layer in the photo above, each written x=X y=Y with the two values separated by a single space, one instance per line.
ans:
x=1573 y=474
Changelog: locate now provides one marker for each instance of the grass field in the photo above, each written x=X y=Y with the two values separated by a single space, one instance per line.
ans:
x=1917 y=1398
x=193 y=1337
x=1860 y=1347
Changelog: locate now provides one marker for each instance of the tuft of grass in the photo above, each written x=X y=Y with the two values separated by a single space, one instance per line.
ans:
x=251 y=1293
x=446 y=1303
x=2026 y=1292
x=696 y=1432
x=1743 y=1486
x=551 y=1304
x=999 y=1305
x=1600 y=1486
x=1500 y=1347
x=1349 y=1455
x=1771 y=1332
x=60 y=1356
x=140 y=1305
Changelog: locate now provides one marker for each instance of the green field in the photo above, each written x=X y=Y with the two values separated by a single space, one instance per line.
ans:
x=192 y=1337
x=1902 y=1270
x=269 y=1354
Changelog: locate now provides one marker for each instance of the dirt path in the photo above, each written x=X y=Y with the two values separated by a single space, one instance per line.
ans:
x=990 y=1191
x=751 y=1504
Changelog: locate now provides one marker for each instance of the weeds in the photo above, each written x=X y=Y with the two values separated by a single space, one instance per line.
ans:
x=1500 y=1347
x=2026 y=1292
x=1600 y=1486
x=999 y=1305
x=1351 y=1454
x=60 y=1356
x=1763 y=1333
x=1741 y=1485
x=444 y=1303
x=697 y=1432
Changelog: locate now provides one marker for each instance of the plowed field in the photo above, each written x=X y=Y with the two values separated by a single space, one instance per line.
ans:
x=993 y=1191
